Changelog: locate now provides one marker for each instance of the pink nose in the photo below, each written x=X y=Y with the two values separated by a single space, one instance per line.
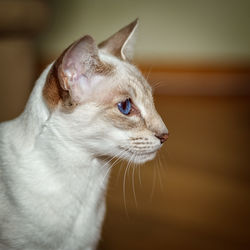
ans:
x=162 y=137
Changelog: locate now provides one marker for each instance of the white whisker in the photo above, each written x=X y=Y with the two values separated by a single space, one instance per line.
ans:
x=133 y=183
x=124 y=184
x=113 y=164
x=119 y=172
x=149 y=71
x=139 y=168
x=153 y=185
x=158 y=171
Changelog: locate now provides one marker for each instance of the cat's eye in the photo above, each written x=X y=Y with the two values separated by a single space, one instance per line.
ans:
x=125 y=106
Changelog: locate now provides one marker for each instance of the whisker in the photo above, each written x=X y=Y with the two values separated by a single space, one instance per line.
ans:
x=133 y=183
x=157 y=84
x=119 y=172
x=113 y=164
x=149 y=71
x=112 y=158
x=158 y=172
x=124 y=185
x=163 y=160
x=139 y=168
x=153 y=185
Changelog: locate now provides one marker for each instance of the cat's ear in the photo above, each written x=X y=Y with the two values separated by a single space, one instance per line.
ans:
x=78 y=68
x=121 y=44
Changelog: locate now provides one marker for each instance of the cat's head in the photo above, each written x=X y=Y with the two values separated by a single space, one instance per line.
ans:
x=102 y=101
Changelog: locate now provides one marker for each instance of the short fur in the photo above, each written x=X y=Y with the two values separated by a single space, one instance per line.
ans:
x=54 y=158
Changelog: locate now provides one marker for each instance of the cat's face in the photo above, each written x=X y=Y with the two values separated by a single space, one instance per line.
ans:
x=110 y=104
x=125 y=122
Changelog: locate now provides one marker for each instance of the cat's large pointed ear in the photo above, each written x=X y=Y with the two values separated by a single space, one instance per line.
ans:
x=78 y=67
x=121 y=44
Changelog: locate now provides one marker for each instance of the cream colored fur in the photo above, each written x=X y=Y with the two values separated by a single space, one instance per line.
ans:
x=54 y=165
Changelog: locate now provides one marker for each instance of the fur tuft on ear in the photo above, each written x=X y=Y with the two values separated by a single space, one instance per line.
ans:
x=121 y=44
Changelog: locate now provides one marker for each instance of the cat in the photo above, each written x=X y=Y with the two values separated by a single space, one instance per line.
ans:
x=90 y=105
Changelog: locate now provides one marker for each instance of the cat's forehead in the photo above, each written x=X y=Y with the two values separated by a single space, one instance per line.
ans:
x=135 y=83
x=127 y=78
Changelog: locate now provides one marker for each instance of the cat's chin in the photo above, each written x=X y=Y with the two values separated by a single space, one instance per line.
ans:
x=142 y=158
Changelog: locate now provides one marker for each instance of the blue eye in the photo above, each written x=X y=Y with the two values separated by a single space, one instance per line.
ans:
x=125 y=107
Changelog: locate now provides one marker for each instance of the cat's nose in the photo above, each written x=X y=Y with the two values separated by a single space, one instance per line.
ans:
x=162 y=137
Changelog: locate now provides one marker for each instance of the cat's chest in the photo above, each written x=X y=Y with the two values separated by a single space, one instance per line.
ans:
x=67 y=209
x=76 y=225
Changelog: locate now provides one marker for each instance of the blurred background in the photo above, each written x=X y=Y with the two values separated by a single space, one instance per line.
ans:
x=196 y=54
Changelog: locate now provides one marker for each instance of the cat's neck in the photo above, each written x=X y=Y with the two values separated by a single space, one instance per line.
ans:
x=29 y=124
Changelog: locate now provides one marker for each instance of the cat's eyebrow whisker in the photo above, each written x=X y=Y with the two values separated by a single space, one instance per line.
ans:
x=148 y=73
x=156 y=85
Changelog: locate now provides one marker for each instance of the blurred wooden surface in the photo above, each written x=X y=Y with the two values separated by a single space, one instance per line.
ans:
x=214 y=79
x=196 y=194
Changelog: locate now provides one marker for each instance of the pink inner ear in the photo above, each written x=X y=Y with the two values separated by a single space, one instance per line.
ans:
x=80 y=58
x=78 y=66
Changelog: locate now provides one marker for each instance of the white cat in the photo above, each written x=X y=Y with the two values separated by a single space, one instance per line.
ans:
x=88 y=106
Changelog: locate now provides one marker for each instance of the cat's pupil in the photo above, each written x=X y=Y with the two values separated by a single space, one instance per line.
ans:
x=124 y=105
